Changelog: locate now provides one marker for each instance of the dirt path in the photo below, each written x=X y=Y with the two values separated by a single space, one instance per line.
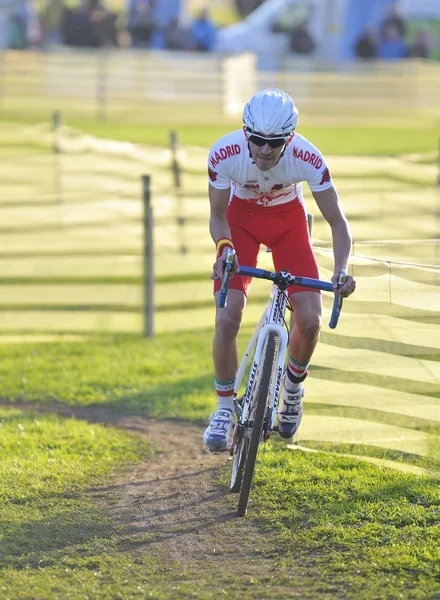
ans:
x=173 y=505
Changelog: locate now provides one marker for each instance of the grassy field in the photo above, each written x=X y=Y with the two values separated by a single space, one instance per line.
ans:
x=336 y=527
x=333 y=525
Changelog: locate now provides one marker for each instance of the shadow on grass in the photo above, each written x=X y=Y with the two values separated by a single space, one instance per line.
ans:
x=178 y=401
x=43 y=542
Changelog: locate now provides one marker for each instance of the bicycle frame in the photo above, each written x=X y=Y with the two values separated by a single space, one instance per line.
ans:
x=272 y=319
x=257 y=409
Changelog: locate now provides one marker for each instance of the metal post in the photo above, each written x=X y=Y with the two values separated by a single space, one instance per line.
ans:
x=178 y=190
x=101 y=85
x=148 y=279
x=56 y=151
x=2 y=77
x=56 y=123
x=438 y=202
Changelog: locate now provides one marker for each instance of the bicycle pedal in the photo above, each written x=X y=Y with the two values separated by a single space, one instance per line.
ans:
x=220 y=451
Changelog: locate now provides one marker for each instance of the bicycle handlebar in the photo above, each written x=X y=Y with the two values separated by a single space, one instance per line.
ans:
x=285 y=278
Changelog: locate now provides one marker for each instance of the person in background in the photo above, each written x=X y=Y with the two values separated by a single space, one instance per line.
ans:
x=203 y=32
x=77 y=27
x=51 y=22
x=24 y=25
x=393 y=20
x=103 y=24
x=301 y=41
x=367 y=45
x=141 y=23
x=422 y=46
x=176 y=36
x=393 y=46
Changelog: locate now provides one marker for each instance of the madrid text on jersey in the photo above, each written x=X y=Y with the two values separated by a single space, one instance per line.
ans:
x=224 y=153
x=308 y=157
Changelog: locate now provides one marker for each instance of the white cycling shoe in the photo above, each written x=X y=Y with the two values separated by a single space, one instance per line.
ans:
x=218 y=433
x=290 y=415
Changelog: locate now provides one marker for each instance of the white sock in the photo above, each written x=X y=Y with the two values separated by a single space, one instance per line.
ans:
x=226 y=403
x=289 y=386
x=225 y=394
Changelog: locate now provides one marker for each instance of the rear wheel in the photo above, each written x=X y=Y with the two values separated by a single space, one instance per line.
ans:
x=261 y=392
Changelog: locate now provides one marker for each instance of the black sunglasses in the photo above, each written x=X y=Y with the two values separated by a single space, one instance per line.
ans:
x=261 y=141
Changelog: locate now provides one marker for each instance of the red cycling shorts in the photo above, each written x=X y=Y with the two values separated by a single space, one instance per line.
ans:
x=282 y=228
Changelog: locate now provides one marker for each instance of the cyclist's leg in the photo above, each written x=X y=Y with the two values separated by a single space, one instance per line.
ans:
x=225 y=354
x=227 y=326
x=293 y=251
x=228 y=319
x=306 y=325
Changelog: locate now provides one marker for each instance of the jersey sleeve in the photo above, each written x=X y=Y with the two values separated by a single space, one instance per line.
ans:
x=219 y=169
x=312 y=167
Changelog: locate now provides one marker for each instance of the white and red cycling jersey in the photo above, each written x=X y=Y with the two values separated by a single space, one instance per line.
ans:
x=230 y=165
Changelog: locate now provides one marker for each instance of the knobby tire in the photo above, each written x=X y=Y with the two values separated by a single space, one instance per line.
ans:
x=238 y=462
x=262 y=388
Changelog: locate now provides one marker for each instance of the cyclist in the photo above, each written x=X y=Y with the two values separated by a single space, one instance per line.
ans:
x=255 y=193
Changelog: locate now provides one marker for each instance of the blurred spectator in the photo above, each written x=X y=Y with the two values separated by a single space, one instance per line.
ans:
x=6 y=7
x=422 y=46
x=76 y=26
x=394 y=21
x=176 y=36
x=203 y=32
x=293 y=20
x=17 y=35
x=393 y=46
x=89 y=25
x=141 y=23
x=24 y=25
x=51 y=22
x=246 y=7
x=367 y=45
x=103 y=23
x=301 y=42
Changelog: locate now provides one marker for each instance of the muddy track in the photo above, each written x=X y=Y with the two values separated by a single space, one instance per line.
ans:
x=173 y=506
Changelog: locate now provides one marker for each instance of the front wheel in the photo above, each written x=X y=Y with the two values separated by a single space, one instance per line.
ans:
x=240 y=445
x=261 y=391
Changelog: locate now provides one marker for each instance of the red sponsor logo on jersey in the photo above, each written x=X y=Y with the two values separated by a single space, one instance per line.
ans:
x=325 y=177
x=212 y=174
x=251 y=185
x=224 y=153
x=308 y=157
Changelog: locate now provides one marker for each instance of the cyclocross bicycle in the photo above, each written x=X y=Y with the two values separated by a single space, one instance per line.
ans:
x=256 y=410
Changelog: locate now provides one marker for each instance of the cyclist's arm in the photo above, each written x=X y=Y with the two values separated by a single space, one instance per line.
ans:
x=328 y=204
x=218 y=225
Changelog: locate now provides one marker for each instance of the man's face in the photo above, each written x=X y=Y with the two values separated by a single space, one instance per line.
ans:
x=264 y=155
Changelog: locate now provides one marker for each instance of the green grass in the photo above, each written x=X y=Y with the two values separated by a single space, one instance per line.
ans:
x=128 y=373
x=335 y=527
x=52 y=528
x=359 y=531
x=386 y=454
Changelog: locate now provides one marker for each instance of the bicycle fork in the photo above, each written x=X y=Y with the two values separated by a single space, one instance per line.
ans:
x=262 y=332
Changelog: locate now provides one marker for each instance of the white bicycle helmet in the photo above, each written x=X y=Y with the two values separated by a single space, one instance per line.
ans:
x=271 y=112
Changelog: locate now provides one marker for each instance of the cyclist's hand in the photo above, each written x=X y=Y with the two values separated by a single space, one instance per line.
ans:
x=219 y=265
x=343 y=283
